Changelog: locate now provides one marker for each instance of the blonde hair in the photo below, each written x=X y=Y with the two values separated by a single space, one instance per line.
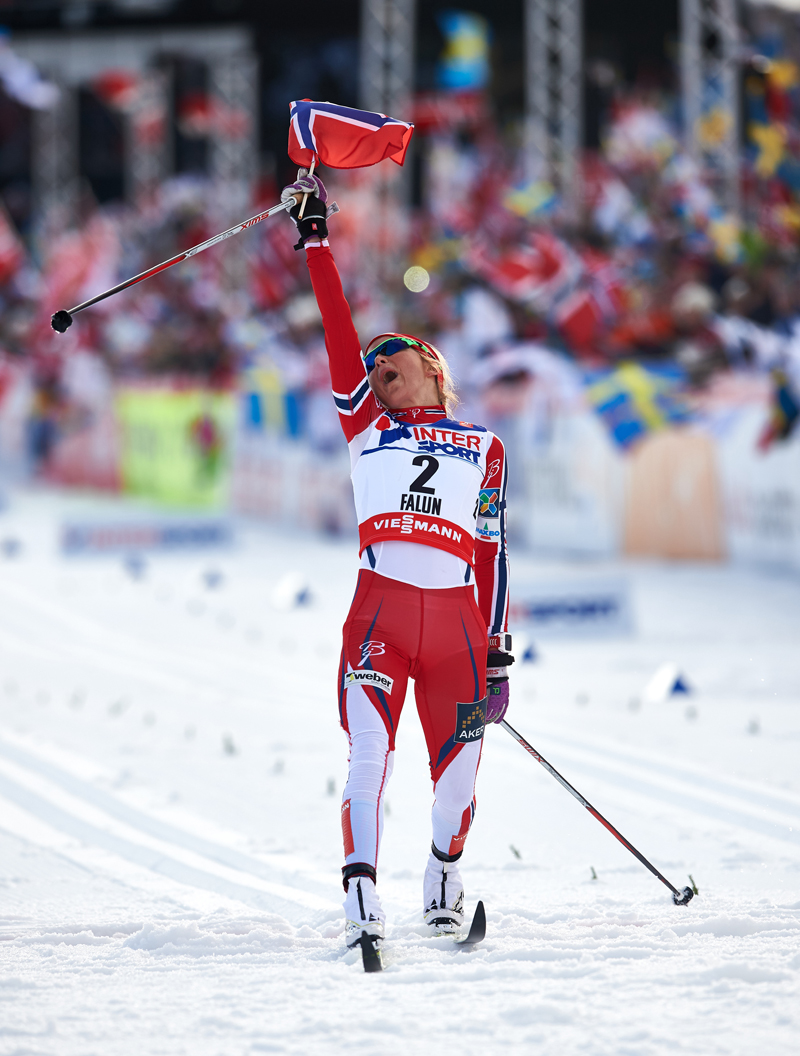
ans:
x=445 y=382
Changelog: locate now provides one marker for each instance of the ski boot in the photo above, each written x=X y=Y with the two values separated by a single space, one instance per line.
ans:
x=443 y=893
x=363 y=912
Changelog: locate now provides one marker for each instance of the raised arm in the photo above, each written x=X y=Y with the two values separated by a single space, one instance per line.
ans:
x=352 y=395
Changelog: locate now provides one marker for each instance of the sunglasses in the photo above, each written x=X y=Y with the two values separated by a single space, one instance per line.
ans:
x=389 y=347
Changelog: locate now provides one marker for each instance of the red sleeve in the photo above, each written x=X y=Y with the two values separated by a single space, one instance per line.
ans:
x=491 y=555
x=352 y=395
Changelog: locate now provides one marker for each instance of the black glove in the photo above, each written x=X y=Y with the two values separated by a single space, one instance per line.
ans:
x=314 y=223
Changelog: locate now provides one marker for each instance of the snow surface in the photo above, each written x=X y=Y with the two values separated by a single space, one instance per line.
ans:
x=170 y=778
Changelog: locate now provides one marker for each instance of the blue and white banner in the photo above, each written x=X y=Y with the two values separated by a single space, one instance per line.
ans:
x=572 y=608
x=125 y=537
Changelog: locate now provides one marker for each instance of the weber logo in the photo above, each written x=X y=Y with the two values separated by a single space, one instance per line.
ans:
x=470 y=722
x=369 y=678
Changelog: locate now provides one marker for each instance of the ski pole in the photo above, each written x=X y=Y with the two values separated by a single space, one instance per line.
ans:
x=62 y=320
x=680 y=898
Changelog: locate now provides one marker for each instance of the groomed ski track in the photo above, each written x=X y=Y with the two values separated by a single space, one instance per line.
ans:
x=169 y=849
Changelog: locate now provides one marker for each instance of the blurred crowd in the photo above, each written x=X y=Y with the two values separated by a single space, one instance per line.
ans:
x=641 y=299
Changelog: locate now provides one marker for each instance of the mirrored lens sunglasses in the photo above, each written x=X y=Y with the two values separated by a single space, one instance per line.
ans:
x=389 y=347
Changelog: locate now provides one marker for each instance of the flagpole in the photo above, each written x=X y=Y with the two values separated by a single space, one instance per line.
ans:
x=305 y=196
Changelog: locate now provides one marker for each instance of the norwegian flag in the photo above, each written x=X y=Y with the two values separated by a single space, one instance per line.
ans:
x=586 y=314
x=344 y=138
x=539 y=272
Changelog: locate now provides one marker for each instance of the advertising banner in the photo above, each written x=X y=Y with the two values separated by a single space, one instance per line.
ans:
x=760 y=493
x=175 y=445
x=672 y=505
x=131 y=536
x=573 y=489
x=585 y=607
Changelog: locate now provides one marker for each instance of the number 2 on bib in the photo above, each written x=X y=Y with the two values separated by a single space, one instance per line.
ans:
x=430 y=469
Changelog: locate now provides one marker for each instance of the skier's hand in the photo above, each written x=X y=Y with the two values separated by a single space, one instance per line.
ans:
x=496 y=699
x=498 y=661
x=313 y=223
x=305 y=184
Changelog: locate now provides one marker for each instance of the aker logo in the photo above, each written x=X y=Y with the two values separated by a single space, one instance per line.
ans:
x=470 y=722
x=369 y=649
x=368 y=678
x=489 y=504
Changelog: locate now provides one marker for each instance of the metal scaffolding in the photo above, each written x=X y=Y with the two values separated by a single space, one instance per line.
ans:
x=78 y=58
x=387 y=86
x=710 y=88
x=387 y=55
x=554 y=94
x=234 y=86
x=146 y=139
x=55 y=168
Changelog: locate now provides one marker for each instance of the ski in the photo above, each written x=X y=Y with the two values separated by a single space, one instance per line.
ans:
x=370 y=954
x=477 y=929
x=476 y=933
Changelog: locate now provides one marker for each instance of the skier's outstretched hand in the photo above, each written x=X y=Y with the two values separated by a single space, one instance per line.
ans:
x=305 y=184
x=314 y=221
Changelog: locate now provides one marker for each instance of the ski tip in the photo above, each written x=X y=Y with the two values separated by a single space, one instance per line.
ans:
x=477 y=929
x=370 y=955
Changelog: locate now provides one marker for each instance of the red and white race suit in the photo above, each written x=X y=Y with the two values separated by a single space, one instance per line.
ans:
x=430 y=499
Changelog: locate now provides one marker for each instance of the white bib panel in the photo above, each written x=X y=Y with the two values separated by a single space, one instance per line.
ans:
x=420 y=483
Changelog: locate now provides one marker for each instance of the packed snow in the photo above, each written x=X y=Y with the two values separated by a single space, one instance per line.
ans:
x=171 y=770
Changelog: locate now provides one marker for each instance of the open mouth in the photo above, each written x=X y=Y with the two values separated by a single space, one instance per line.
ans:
x=388 y=376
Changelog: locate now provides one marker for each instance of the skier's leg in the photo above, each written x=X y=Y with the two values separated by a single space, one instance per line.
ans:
x=370 y=767
x=450 y=819
x=372 y=684
x=450 y=690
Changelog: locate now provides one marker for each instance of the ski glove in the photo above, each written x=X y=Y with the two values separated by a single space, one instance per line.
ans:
x=496 y=699
x=305 y=184
x=497 y=662
x=313 y=223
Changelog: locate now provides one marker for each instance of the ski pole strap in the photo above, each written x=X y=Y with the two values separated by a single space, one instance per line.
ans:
x=496 y=664
x=357 y=869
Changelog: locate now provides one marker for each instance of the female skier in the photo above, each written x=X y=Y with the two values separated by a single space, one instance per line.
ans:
x=430 y=500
